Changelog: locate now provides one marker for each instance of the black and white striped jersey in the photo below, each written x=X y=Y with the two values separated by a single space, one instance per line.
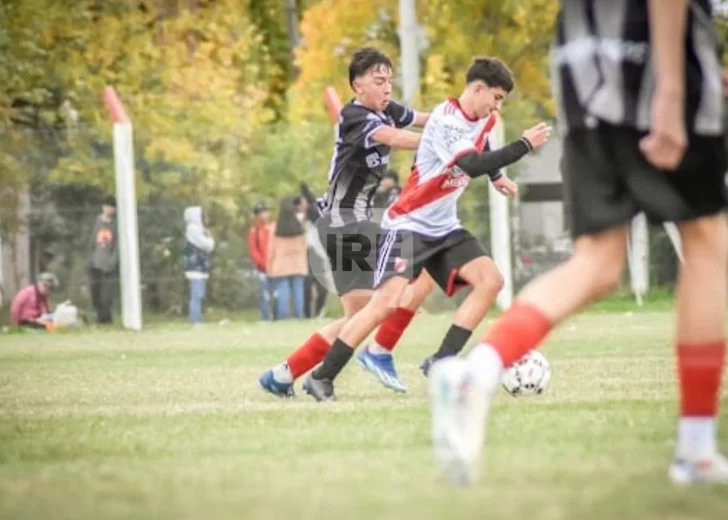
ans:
x=358 y=162
x=601 y=65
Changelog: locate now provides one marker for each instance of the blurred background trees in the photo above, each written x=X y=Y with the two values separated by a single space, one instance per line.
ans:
x=226 y=101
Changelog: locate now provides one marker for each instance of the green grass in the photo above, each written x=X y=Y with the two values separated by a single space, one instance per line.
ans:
x=170 y=424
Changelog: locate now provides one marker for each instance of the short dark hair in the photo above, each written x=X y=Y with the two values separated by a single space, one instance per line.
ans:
x=491 y=71
x=363 y=60
x=288 y=224
x=109 y=200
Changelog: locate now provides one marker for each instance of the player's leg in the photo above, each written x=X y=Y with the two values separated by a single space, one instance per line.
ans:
x=384 y=301
x=391 y=276
x=377 y=357
x=461 y=389
x=391 y=330
x=702 y=287
x=279 y=380
x=354 y=286
x=483 y=276
x=601 y=208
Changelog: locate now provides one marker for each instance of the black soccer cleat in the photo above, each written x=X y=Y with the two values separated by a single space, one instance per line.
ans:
x=426 y=365
x=319 y=389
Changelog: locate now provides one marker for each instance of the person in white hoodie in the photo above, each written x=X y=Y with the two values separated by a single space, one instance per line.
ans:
x=198 y=246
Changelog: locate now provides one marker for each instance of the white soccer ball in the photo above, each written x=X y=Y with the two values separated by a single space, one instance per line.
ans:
x=530 y=375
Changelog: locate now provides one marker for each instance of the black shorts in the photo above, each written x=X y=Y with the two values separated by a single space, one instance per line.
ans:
x=406 y=254
x=607 y=180
x=352 y=253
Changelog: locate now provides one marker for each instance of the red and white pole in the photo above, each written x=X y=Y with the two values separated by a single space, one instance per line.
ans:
x=128 y=233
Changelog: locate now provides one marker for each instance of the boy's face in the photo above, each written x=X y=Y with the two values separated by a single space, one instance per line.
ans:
x=108 y=211
x=374 y=87
x=488 y=99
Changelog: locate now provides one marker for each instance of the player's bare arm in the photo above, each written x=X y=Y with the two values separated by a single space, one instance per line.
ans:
x=396 y=138
x=421 y=118
x=667 y=141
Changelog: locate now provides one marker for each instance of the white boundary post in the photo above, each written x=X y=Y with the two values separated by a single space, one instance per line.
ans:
x=500 y=229
x=638 y=257
x=674 y=234
x=128 y=233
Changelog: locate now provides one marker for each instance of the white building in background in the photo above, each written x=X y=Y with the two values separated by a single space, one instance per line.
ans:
x=542 y=219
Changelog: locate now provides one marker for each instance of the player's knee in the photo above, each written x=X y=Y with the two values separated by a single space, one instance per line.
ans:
x=706 y=236
x=489 y=280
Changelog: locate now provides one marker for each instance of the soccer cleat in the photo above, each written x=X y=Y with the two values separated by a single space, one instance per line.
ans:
x=319 y=389
x=713 y=470
x=425 y=366
x=270 y=385
x=382 y=367
x=461 y=392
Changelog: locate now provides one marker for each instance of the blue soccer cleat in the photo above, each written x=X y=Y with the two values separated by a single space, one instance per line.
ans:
x=270 y=385
x=382 y=367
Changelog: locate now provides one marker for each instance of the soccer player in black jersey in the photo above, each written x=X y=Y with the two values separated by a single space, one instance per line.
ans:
x=370 y=125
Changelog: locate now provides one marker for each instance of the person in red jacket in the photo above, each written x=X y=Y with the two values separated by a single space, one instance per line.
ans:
x=258 y=236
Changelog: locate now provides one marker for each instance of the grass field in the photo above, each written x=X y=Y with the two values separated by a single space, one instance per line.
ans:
x=170 y=423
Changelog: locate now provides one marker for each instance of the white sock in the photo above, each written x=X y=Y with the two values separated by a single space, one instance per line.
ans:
x=486 y=360
x=696 y=438
x=376 y=349
x=282 y=373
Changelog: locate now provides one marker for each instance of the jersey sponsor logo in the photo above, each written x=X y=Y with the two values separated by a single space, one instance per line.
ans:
x=400 y=264
x=375 y=160
x=454 y=180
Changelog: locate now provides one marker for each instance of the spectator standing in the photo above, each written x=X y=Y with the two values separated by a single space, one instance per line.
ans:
x=318 y=263
x=103 y=261
x=31 y=307
x=287 y=260
x=258 y=239
x=198 y=246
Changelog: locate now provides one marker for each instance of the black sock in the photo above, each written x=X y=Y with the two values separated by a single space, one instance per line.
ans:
x=334 y=362
x=454 y=341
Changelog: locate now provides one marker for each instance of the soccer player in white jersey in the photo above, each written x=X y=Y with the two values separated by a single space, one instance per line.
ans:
x=424 y=231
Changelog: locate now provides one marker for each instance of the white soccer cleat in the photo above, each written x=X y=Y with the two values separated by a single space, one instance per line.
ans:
x=460 y=399
x=712 y=470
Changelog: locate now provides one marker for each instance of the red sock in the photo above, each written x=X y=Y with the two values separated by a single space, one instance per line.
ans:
x=308 y=355
x=393 y=327
x=700 y=370
x=521 y=328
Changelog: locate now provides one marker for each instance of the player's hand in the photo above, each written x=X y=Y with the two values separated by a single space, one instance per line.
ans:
x=538 y=135
x=506 y=186
x=665 y=144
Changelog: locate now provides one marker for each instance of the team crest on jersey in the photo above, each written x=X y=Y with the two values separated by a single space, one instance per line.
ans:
x=400 y=264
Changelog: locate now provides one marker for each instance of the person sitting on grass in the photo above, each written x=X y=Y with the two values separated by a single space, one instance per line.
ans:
x=31 y=306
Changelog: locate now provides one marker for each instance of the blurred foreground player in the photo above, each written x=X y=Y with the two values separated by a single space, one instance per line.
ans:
x=369 y=127
x=644 y=132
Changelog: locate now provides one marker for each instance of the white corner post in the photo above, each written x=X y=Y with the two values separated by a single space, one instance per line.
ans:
x=128 y=233
x=638 y=257
x=408 y=38
x=674 y=234
x=500 y=229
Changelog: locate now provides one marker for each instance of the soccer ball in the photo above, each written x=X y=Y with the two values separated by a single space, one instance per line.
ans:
x=530 y=375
